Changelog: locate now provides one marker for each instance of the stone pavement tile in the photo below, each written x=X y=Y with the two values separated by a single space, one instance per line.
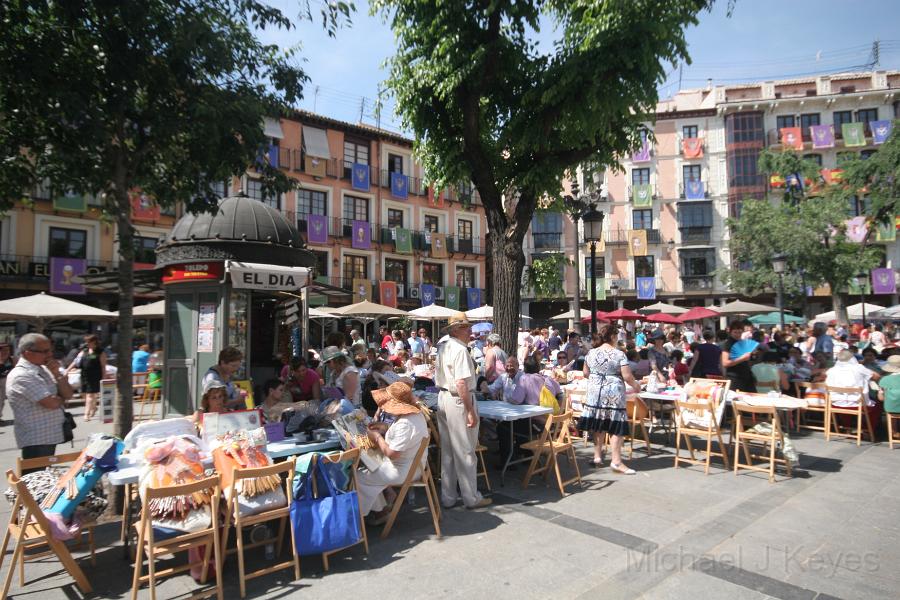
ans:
x=694 y=584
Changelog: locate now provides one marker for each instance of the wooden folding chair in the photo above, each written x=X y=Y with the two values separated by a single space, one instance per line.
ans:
x=575 y=400
x=424 y=481
x=698 y=419
x=768 y=441
x=148 y=401
x=859 y=411
x=29 y=527
x=638 y=413
x=891 y=417
x=139 y=383
x=810 y=391
x=281 y=514
x=351 y=456
x=148 y=546
x=555 y=440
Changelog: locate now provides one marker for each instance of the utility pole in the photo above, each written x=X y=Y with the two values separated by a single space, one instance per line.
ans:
x=362 y=108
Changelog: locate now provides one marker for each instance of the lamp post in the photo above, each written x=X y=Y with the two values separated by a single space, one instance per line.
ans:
x=860 y=281
x=593 y=233
x=577 y=205
x=614 y=293
x=779 y=263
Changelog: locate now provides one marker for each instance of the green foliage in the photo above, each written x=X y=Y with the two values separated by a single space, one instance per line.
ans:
x=546 y=276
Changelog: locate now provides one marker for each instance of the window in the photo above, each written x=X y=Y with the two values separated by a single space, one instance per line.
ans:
x=858 y=206
x=690 y=173
x=464 y=229
x=744 y=127
x=433 y=273
x=599 y=267
x=642 y=219
x=807 y=121
x=254 y=189
x=644 y=267
x=695 y=215
x=312 y=202
x=355 y=152
x=640 y=176
x=782 y=121
x=395 y=218
x=697 y=263
x=841 y=117
x=144 y=250
x=68 y=243
x=864 y=115
x=816 y=158
x=465 y=277
x=321 y=262
x=546 y=229
x=742 y=168
x=689 y=131
x=848 y=89
x=356 y=209
x=395 y=163
x=396 y=270
x=221 y=189
x=355 y=267
x=432 y=223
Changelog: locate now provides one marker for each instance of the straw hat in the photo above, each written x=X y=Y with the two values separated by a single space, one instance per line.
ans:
x=457 y=319
x=396 y=399
x=331 y=352
x=893 y=364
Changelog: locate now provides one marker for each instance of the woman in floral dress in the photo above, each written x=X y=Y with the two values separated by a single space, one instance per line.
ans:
x=607 y=371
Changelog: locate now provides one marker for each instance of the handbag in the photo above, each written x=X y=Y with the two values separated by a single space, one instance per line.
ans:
x=329 y=522
x=68 y=426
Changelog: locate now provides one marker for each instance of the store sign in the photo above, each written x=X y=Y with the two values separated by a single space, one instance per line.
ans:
x=254 y=276
x=197 y=271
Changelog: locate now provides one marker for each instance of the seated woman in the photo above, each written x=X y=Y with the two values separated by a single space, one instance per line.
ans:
x=769 y=371
x=399 y=443
x=342 y=375
x=273 y=403
x=214 y=400
x=302 y=382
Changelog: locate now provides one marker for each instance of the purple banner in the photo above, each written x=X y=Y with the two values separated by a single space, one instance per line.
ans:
x=693 y=190
x=884 y=281
x=427 y=293
x=642 y=155
x=646 y=288
x=317 y=229
x=473 y=298
x=881 y=130
x=62 y=271
x=822 y=136
x=362 y=235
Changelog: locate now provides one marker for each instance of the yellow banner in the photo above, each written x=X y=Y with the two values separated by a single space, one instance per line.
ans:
x=637 y=242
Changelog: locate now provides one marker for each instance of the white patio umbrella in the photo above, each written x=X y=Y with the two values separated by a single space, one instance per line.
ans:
x=662 y=307
x=154 y=310
x=585 y=313
x=483 y=313
x=433 y=312
x=854 y=312
x=740 y=307
x=42 y=309
x=367 y=311
x=889 y=313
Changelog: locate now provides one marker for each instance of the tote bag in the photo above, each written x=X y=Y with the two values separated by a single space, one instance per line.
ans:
x=329 y=522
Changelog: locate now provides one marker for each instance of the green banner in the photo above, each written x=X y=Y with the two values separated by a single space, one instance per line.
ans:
x=601 y=289
x=854 y=134
x=886 y=233
x=403 y=242
x=70 y=202
x=642 y=195
x=451 y=295
x=854 y=290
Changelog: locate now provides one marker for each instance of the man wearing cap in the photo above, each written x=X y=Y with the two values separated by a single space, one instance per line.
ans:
x=458 y=416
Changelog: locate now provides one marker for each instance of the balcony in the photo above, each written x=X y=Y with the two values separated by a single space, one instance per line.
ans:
x=417 y=187
x=547 y=241
x=408 y=291
x=696 y=235
x=704 y=190
x=620 y=236
x=697 y=283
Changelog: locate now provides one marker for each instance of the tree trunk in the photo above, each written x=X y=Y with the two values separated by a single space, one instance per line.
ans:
x=840 y=306
x=508 y=262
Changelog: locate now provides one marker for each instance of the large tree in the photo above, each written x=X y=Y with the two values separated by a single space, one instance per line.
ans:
x=488 y=104
x=103 y=97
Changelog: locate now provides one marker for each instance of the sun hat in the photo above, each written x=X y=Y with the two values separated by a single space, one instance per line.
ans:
x=396 y=399
x=213 y=384
x=458 y=318
x=332 y=352
x=892 y=365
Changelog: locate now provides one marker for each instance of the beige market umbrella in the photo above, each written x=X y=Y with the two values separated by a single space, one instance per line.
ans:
x=433 y=312
x=43 y=309
x=662 y=307
x=571 y=315
x=367 y=311
x=154 y=310
x=482 y=313
x=322 y=312
x=854 y=312
x=740 y=307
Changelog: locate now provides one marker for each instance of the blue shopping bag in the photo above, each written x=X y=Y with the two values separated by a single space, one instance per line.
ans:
x=326 y=523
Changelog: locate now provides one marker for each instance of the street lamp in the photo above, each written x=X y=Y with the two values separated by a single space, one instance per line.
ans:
x=593 y=233
x=577 y=205
x=779 y=263
x=860 y=281
x=614 y=292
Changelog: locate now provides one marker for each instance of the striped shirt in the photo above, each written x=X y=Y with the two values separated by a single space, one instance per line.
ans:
x=26 y=385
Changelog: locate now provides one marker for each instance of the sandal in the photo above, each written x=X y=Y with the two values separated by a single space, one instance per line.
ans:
x=622 y=469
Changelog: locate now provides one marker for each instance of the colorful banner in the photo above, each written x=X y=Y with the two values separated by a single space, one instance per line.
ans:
x=881 y=130
x=642 y=155
x=791 y=137
x=637 y=242
x=387 y=292
x=70 y=202
x=886 y=232
x=642 y=195
x=317 y=229
x=856 y=289
x=403 y=240
x=426 y=294
x=646 y=288
x=143 y=207
x=884 y=281
x=473 y=298
x=451 y=297
x=439 y=245
x=856 y=229
x=63 y=271
x=832 y=176
x=600 y=286
x=362 y=235
x=399 y=185
x=854 y=134
x=435 y=199
x=313 y=165
x=693 y=190
x=822 y=136
x=776 y=181
x=692 y=147
x=360 y=178
x=362 y=290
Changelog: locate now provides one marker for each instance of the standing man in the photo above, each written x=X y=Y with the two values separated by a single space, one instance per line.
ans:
x=426 y=342
x=416 y=344
x=37 y=393
x=458 y=416
x=357 y=344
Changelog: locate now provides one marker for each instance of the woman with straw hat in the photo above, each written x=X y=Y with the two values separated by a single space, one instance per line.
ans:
x=399 y=443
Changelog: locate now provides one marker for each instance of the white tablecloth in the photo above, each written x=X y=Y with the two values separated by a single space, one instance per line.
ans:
x=496 y=410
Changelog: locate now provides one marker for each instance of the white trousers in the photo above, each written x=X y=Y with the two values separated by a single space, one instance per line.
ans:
x=459 y=465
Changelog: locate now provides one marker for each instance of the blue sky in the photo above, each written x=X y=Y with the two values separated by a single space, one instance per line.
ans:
x=763 y=39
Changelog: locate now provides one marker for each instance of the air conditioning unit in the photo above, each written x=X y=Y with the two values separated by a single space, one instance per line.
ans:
x=438 y=293
x=401 y=290
x=413 y=292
